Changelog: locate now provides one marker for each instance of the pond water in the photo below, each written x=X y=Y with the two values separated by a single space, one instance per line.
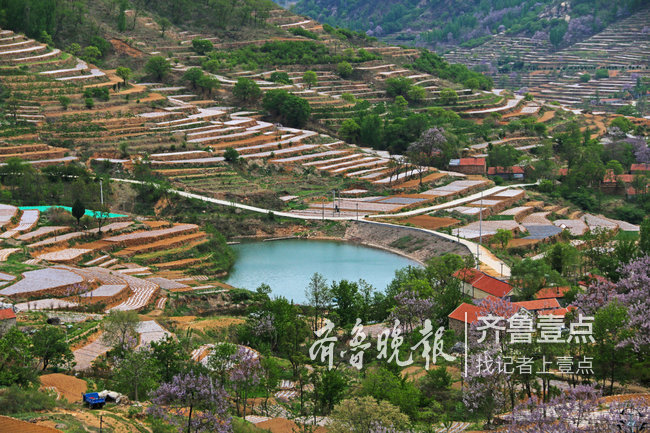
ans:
x=287 y=265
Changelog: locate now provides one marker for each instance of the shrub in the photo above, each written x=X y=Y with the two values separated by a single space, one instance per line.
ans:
x=18 y=400
x=212 y=66
x=602 y=73
x=202 y=46
x=246 y=90
x=64 y=101
x=397 y=86
x=344 y=69
x=158 y=67
x=280 y=77
x=448 y=97
x=585 y=78
x=231 y=155
x=89 y=103
x=91 y=54
x=299 y=31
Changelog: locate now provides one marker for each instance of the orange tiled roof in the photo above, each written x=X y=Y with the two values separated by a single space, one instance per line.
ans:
x=486 y=283
x=7 y=313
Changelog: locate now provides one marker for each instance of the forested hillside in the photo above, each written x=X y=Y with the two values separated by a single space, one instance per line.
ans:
x=445 y=23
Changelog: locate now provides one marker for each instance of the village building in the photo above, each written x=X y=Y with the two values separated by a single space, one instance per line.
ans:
x=552 y=292
x=7 y=320
x=479 y=285
x=514 y=172
x=468 y=165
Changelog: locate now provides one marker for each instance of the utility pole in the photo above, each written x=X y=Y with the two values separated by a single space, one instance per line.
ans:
x=357 y=211
x=101 y=191
x=333 y=202
x=480 y=235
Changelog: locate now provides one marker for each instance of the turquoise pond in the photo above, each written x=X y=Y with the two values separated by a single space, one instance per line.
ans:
x=89 y=212
x=287 y=265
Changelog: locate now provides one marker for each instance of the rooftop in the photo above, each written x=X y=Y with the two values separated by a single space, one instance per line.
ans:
x=7 y=313
x=484 y=282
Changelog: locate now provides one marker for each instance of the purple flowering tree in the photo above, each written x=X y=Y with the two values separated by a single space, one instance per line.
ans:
x=194 y=403
x=571 y=412
x=632 y=292
x=484 y=385
x=411 y=310
x=642 y=152
x=244 y=376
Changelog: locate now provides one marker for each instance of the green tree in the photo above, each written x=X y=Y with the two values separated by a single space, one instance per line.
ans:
x=615 y=166
x=136 y=373
x=64 y=101
x=502 y=237
x=416 y=94
x=120 y=329
x=193 y=75
x=78 y=210
x=585 y=78
x=246 y=90
x=601 y=73
x=91 y=54
x=329 y=389
x=51 y=347
x=310 y=78
x=124 y=73
x=157 y=67
x=398 y=86
x=319 y=296
x=208 y=84
x=609 y=329
x=364 y=414
x=345 y=296
x=563 y=258
x=344 y=69
x=231 y=155
x=504 y=155
x=169 y=357
x=280 y=77
x=164 y=24
x=529 y=276
x=447 y=97
x=371 y=130
x=350 y=131
x=202 y=46
x=623 y=123
x=558 y=30
x=17 y=365
x=644 y=237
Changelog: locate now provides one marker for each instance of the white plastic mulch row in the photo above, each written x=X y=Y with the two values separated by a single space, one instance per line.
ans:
x=150 y=331
x=179 y=228
x=6 y=252
x=143 y=291
x=45 y=304
x=41 y=231
x=42 y=279
x=7 y=212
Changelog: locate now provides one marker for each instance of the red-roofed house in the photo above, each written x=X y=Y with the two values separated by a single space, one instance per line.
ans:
x=539 y=305
x=479 y=285
x=552 y=292
x=514 y=172
x=616 y=183
x=457 y=317
x=590 y=279
x=468 y=165
x=7 y=320
x=557 y=311
x=643 y=168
